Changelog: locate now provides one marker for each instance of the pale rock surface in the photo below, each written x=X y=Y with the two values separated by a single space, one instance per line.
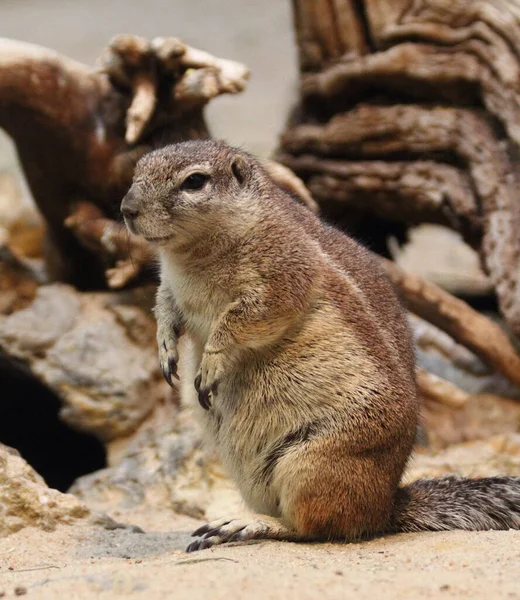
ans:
x=26 y=501
x=439 y=255
x=95 y=350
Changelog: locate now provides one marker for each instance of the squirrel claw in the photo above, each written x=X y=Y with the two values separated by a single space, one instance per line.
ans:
x=204 y=399
x=208 y=378
x=168 y=356
x=172 y=367
x=170 y=371
x=200 y=545
x=202 y=530
x=204 y=393
x=227 y=530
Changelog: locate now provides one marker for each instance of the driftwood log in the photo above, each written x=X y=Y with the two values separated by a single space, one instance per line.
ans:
x=79 y=133
x=410 y=112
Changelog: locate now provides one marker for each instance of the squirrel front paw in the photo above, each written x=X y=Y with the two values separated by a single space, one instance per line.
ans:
x=168 y=355
x=210 y=374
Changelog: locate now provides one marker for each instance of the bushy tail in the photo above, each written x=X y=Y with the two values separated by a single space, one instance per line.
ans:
x=458 y=503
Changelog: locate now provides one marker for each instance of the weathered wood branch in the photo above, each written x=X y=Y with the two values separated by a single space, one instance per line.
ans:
x=79 y=132
x=433 y=387
x=420 y=191
x=108 y=238
x=428 y=337
x=465 y=325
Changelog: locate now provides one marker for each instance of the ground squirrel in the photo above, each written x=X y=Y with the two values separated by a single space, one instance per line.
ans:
x=303 y=360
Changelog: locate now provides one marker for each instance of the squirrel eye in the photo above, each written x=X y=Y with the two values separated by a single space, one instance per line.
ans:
x=195 y=181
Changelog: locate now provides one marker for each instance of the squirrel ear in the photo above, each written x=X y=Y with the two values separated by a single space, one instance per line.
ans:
x=239 y=168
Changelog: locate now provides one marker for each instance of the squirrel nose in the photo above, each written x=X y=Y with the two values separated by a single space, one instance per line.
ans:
x=129 y=206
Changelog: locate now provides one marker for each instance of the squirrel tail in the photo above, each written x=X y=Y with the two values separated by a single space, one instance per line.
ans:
x=458 y=503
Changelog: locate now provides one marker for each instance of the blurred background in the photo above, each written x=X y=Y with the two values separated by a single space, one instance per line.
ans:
x=258 y=34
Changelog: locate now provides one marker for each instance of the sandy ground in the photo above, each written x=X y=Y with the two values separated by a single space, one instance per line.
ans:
x=75 y=562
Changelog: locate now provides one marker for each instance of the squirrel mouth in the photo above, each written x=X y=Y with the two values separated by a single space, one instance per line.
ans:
x=156 y=240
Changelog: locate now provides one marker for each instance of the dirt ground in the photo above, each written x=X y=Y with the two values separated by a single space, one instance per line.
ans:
x=79 y=562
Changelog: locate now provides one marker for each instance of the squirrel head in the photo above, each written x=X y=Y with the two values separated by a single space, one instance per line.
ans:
x=182 y=189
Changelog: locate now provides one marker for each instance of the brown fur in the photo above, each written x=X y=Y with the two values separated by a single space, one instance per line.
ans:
x=305 y=369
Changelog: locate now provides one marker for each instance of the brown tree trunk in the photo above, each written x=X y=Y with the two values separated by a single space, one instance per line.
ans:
x=410 y=112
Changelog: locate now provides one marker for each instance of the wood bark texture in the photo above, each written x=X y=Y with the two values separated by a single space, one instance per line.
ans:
x=409 y=112
x=79 y=133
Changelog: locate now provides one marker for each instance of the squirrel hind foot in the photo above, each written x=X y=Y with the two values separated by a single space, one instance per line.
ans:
x=227 y=530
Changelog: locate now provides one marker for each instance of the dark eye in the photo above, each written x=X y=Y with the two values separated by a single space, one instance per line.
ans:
x=195 y=181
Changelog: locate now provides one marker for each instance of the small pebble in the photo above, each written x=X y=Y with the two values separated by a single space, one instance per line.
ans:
x=20 y=591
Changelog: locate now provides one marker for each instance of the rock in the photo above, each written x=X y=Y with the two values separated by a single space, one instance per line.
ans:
x=483 y=417
x=95 y=350
x=20 y=223
x=29 y=332
x=498 y=455
x=441 y=355
x=453 y=265
x=25 y=500
x=162 y=465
